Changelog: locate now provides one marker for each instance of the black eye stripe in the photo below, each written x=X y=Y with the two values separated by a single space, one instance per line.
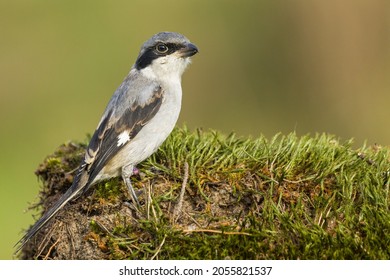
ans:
x=151 y=54
x=172 y=47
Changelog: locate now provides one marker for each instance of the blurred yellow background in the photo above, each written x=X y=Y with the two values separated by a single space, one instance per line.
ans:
x=264 y=67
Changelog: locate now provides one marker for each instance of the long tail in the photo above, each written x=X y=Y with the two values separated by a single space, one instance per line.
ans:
x=80 y=184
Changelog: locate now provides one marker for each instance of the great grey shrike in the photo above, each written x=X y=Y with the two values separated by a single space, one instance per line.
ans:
x=139 y=117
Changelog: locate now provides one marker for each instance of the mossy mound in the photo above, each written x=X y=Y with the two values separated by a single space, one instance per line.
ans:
x=290 y=197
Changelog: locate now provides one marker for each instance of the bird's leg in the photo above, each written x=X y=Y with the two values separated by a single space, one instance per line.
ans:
x=127 y=171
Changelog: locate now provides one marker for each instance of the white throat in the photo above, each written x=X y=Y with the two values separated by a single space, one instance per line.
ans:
x=167 y=69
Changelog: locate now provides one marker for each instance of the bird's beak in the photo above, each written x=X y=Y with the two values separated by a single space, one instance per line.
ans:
x=188 y=50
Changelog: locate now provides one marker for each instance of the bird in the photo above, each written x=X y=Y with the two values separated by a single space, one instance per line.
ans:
x=138 y=118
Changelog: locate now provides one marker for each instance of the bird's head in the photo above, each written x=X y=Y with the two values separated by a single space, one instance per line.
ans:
x=165 y=54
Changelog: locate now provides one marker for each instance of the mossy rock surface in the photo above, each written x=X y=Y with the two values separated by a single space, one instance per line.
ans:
x=289 y=197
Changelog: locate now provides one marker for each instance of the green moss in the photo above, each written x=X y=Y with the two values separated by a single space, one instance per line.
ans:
x=53 y=162
x=110 y=190
x=290 y=197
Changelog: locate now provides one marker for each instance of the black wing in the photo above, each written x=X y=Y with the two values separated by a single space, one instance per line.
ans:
x=104 y=142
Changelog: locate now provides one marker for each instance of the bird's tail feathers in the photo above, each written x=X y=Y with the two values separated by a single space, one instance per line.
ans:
x=78 y=185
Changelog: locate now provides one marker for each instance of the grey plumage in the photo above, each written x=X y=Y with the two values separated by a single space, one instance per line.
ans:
x=138 y=118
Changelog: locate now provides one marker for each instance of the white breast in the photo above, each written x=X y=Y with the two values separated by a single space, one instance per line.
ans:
x=154 y=133
x=151 y=136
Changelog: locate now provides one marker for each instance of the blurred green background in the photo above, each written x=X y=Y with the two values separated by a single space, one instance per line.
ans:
x=264 y=67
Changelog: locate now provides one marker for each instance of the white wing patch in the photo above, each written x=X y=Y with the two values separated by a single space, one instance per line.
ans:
x=123 y=138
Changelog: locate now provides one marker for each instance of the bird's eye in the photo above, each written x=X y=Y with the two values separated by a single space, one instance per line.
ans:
x=161 y=48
